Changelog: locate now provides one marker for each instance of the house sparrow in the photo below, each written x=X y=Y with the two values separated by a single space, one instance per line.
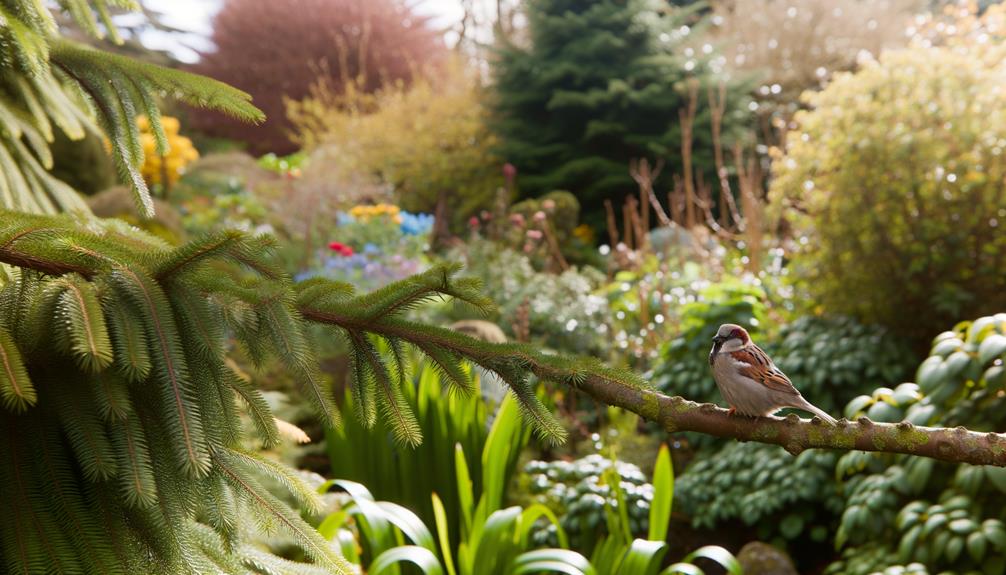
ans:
x=748 y=380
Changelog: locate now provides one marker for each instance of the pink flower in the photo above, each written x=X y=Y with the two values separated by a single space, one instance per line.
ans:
x=509 y=171
x=528 y=248
x=548 y=204
x=517 y=220
x=540 y=216
x=534 y=234
x=473 y=222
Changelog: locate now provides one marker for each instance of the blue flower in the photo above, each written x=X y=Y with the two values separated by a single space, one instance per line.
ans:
x=415 y=224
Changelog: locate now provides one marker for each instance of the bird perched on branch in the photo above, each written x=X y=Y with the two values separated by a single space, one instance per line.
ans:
x=748 y=380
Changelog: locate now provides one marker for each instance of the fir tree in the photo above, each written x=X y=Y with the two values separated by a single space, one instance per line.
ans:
x=600 y=83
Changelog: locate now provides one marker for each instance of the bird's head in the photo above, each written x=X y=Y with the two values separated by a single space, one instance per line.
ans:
x=730 y=331
x=730 y=335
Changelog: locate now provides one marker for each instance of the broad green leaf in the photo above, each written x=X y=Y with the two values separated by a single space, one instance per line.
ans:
x=409 y=523
x=643 y=558
x=557 y=560
x=425 y=559
x=991 y=347
x=719 y=555
x=466 y=500
x=663 y=495
x=440 y=516
x=529 y=517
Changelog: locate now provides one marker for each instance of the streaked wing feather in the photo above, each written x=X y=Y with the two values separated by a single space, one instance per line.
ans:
x=761 y=369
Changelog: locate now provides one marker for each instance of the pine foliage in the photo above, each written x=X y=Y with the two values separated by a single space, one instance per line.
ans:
x=47 y=84
x=120 y=410
x=139 y=402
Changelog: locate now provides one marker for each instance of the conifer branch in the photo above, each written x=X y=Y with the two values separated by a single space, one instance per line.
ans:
x=333 y=304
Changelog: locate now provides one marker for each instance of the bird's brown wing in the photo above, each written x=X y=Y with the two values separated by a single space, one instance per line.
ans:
x=761 y=369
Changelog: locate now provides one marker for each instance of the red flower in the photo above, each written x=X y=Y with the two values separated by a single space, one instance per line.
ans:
x=473 y=222
x=340 y=248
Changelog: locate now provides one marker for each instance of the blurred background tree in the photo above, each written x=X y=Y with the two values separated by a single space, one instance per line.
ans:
x=275 y=50
x=429 y=140
x=597 y=84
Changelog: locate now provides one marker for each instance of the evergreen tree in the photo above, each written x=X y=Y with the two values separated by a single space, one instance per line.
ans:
x=600 y=83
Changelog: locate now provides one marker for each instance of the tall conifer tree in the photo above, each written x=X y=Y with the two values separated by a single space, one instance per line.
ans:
x=601 y=82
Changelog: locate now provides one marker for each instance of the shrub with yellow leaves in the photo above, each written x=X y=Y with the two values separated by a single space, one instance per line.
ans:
x=165 y=170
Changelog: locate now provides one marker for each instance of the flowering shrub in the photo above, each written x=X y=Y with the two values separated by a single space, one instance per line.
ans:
x=164 y=170
x=373 y=245
x=561 y=310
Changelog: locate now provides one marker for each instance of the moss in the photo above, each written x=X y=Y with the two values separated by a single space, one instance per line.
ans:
x=765 y=432
x=879 y=442
x=651 y=407
x=911 y=439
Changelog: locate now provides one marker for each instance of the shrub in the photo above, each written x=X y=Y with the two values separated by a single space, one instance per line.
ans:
x=897 y=203
x=276 y=49
x=165 y=170
x=562 y=311
x=429 y=141
x=903 y=509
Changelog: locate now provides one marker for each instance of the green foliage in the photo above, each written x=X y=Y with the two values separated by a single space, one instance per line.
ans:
x=919 y=510
x=579 y=493
x=497 y=540
x=561 y=310
x=598 y=84
x=685 y=368
x=50 y=83
x=408 y=475
x=766 y=488
x=899 y=205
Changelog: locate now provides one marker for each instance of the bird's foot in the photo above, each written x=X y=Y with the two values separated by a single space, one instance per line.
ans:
x=732 y=411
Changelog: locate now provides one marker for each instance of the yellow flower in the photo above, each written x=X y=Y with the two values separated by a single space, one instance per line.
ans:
x=584 y=233
x=180 y=153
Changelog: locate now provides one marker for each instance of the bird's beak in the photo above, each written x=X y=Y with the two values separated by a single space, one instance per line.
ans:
x=717 y=342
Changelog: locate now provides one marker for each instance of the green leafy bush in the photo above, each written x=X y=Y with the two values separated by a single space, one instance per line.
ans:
x=902 y=509
x=900 y=204
x=562 y=311
x=578 y=492
x=764 y=487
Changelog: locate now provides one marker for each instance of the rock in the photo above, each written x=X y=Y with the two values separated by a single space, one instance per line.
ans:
x=757 y=558
x=481 y=329
x=118 y=202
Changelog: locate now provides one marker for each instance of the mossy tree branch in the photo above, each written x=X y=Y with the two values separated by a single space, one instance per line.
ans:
x=676 y=414
x=335 y=305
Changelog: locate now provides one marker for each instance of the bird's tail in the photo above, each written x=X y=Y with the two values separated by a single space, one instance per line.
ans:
x=807 y=406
